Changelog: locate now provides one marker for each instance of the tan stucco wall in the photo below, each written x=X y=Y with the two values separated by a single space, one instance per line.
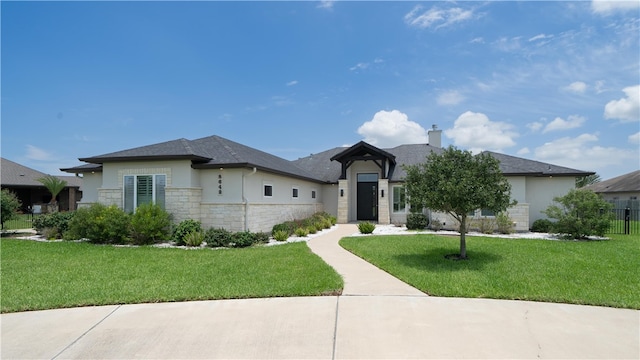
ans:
x=90 y=184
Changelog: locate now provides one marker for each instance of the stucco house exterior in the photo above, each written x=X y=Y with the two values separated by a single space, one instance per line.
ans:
x=621 y=188
x=226 y=184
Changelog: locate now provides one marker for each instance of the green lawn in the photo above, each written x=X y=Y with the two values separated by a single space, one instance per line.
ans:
x=605 y=273
x=42 y=275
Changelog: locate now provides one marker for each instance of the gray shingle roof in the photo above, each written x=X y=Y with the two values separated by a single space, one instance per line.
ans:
x=208 y=152
x=624 y=183
x=512 y=165
x=14 y=174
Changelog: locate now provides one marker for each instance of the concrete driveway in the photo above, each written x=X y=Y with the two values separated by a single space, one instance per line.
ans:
x=377 y=317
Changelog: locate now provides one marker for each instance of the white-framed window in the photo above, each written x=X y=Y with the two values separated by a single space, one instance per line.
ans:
x=487 y=212
x=268 y=190
x=399 y=199
x=143 y=189
x=294 y=192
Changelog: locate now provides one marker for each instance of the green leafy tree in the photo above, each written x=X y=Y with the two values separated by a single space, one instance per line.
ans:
x=10 y=205
x=54 y=185
x=580 y=213
x=456 y=182
x=587 y=180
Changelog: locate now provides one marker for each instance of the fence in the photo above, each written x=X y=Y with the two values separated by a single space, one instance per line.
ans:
x=22 y=221
x=626 y=217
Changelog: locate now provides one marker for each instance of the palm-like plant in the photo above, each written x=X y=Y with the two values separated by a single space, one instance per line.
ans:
x=54 y=185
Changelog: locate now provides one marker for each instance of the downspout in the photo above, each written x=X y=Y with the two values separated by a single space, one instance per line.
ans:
x=245 y=202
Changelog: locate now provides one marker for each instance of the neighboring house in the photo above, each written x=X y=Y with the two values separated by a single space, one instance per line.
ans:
x=23 y=182
x=620 y=189
x=226 y=184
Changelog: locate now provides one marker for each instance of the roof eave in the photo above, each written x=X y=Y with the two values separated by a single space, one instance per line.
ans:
x=101 y=160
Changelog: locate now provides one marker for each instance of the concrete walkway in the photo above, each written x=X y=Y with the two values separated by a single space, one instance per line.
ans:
x=377 y=317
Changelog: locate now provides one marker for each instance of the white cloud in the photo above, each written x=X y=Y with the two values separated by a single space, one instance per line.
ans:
x=606 y=7
x=508 y=44
x=535 y=126
x=476 y=132
x=478 y=40
x=635 y=138
x=436 y=18
x=451 y=97
x=572 y=122
x=326 y=4
x=359 y=66
x=583 y=153
x=626 y=109
x=577 y=87
x=35 y=153
x=523 y=151
x=293 y=82
x=540 y=37
x=392 y=128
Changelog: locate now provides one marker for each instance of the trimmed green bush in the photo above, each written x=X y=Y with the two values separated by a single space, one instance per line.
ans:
x=217 y=237
x=485 y=225
x=417 y=221
x=261 y=237
x=185 y=227
x=55 y=224
x=542 y=226
x=281 y=235
x=505 y=223
x=100 y=224
x=366 y=227
x=242 y=239
x=150 y=224
x=580 y=213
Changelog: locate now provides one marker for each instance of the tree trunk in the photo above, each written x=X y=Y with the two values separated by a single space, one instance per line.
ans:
x=463 y=231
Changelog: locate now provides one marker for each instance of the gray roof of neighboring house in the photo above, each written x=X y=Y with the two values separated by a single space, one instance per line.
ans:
x=208 y=152
x=14 y=174
x=624 y=183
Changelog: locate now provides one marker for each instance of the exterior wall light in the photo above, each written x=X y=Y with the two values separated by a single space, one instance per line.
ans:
x=341 y=192
x=382 y=193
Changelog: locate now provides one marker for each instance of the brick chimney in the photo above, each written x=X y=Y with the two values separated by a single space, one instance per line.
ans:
x=435 y=136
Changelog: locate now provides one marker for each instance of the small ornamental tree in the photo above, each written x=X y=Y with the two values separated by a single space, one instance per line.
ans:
x=457 y=182
x=54 y=185
x=10 y=205
x=580 y=213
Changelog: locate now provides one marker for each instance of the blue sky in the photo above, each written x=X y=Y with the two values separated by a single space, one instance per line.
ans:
x=557 y=82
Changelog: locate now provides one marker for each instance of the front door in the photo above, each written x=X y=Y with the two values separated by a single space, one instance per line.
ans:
x=367 y=197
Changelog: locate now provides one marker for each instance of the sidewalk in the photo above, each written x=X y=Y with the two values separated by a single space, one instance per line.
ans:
x=377 y=317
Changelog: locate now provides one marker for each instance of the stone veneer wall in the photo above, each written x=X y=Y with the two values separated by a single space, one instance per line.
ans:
x=227 y=216
x=183 y=203
x=383 y=202
x=110 y=197
x=518 y=213
x=343 y=201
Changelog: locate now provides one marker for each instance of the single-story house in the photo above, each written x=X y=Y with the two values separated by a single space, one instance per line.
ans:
x=621 y=189
x=226 y=184
x=22 y=181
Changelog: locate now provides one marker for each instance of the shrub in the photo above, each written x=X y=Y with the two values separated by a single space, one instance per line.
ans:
x=436 y=225
x=261 y=237
x=486 y=225
x=281 y=235
x=185 y=227
x=56 y=224
x=505 y=223
x=542 y=225
x=417 y=221
x=366 y=227
x=100 y=224
x=242 y=239
x=150 y=224
x=289 y=227
x=302 y=232
x=9 y=204
x=194 y=238
x=217 y=237
x=580 y=213
x=312 y=229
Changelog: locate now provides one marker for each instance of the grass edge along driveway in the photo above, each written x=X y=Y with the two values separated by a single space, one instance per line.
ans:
x=603 y=273
x=47 y=275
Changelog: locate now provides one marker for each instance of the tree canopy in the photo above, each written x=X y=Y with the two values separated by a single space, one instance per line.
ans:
x=10 y=205
x=580 y=213
x=457 y=182
x=53 y=184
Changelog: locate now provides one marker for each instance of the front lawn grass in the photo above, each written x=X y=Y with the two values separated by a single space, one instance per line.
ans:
x=605 y=273
x=41 y=275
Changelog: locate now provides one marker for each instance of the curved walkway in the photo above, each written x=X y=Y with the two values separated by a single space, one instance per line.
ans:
x=377 y=317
